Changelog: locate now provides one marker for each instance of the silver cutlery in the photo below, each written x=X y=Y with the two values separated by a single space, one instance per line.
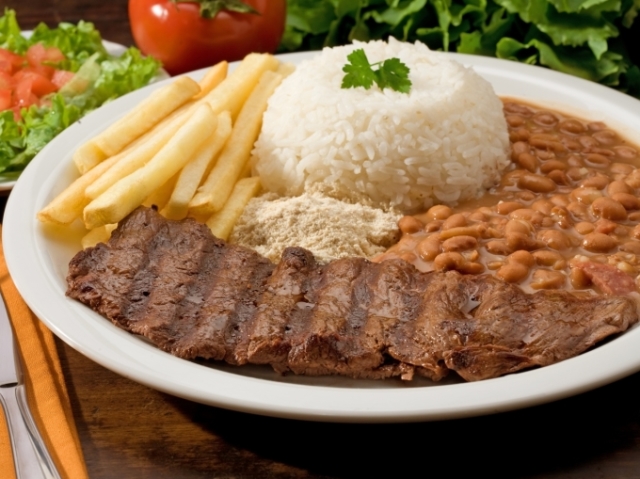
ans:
x=31 y=458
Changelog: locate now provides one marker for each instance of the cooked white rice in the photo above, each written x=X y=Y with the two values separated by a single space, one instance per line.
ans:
x=446 y=141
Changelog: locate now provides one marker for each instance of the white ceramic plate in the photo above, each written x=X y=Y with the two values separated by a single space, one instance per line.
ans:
x=112 y=48
x=38 y=258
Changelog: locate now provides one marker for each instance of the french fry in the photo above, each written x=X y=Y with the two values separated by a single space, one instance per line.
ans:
x=101 y=234
x=139 y=120
x=231 y=94
x=221 y=223
x=68 y=205
x=214 y=76
x=193 y=172
x=137 y=155
x=87 y=156
x=128 y=193
x=146 y=114
x=215 y=191
x=160 y=197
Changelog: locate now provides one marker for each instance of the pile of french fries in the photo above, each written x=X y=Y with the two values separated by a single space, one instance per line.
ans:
x=185 y=149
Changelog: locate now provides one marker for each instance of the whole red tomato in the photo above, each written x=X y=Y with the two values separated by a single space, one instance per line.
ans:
x=176 y=34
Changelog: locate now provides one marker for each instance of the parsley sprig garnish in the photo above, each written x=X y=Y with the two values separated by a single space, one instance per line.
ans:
x=391 y=73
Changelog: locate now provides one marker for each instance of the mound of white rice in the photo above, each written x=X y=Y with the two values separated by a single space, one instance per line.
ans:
x=444 y=142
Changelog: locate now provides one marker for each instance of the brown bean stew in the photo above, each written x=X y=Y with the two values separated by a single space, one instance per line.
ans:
x=565 y=215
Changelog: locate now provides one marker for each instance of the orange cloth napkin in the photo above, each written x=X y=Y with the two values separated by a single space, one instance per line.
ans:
x=46 y=389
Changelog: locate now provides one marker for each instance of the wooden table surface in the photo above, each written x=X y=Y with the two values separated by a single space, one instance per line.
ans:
x=130 y=431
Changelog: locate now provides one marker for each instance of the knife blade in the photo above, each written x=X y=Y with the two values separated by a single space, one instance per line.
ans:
x=30 y=455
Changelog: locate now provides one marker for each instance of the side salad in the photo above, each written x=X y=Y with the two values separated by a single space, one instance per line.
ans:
x=592 y=39
x=53 y=77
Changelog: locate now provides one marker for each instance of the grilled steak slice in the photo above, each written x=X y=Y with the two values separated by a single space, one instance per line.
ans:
x=194 y=295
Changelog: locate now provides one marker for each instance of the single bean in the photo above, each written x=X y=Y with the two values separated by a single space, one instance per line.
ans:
x=609 y=208
x=546 y=144
x=477 y=231
x=472 y=267
x=596 y=126
x=635 y=232
x=409 y=224
x=522 y=257
x=579 y=279
x=598 y=243
x=545 y=118
x=577 y=172
x=597 y=160
x=603 y=151
x=559 y=177
x=433 y=226
x=545 y=257
x=477 y=216
x=545 y=279
x=517 y=241
x=429 y=247
x=571 y=126
x=527 y=161
x=579 y=211
x=545 y=155
x=512 y=272
x=597 y=181
x=618 y=187
x=515 y=120
x=584 y=227
x=625 y=152
x=629 y=201
x=587 y=141
x=631 y=246
x=551 y=165
x=606 y=137
x=518 y=226
x=498 y=247
x=449 y=261
x=517 y=148
x=634 y=216
x=454 y=221
x=624 y=168
x=532 y=216
x=543 y=206
x=439 y=212
x=518 y=108
x=586 y=195
x=536 y=183
x=555 y=239
x=633 y=180
x=506 y=207
x=605 y=226
x=560 y=200
x=571 y=144
x=460 y=243
x=519 y=134
x=561 y=216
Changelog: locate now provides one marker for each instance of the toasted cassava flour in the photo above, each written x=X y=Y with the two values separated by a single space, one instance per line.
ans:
x=328 y=227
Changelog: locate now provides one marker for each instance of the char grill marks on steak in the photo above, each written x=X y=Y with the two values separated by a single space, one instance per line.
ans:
x=194 y=295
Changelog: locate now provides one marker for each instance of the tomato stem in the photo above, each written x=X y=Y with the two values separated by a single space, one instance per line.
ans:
x=210 y=8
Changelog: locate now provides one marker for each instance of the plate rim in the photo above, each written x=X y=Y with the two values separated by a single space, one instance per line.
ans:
x=28 y=266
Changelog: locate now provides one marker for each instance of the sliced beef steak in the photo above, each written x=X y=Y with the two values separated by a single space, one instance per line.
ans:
x=194 y=295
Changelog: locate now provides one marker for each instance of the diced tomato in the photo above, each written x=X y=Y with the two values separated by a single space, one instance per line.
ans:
x=6 y=82
x=23 y=95
x=30 y=78
x=5 y=99
x=10 y=62
x=61 y=77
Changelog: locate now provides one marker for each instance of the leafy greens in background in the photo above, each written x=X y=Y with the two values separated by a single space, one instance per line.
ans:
x=594 y=39
x=107 y=77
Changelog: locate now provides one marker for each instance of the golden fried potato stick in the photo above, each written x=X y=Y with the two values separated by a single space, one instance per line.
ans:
x=129 y=193
x=214 y=76
x=139 y=120
x=68 y=205
x=159 y=197
x=231 y=94
x=137 y=155
x=191 y=175
x=221 y=223
x=215 y=191
x=101 y=234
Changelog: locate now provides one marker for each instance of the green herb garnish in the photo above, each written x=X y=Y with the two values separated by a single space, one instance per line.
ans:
x=391 y=73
